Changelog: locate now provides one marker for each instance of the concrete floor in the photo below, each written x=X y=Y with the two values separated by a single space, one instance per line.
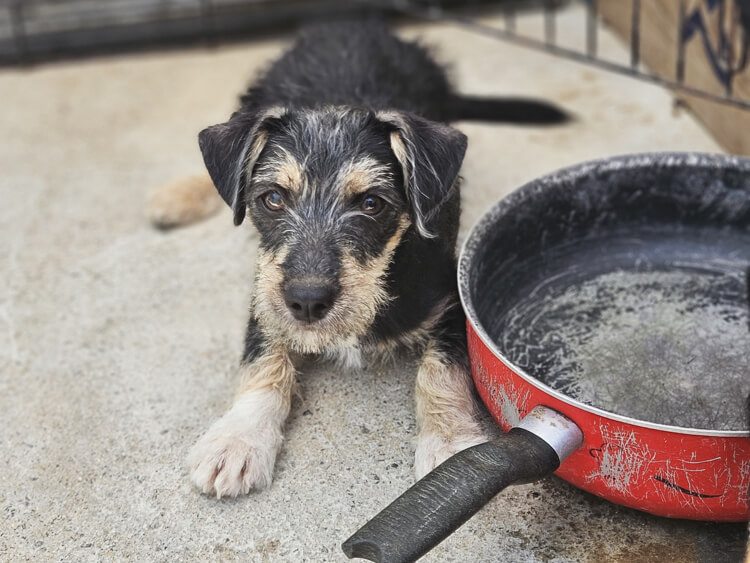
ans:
x=118 y=344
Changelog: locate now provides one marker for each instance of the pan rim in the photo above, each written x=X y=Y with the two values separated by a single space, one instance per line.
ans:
x=482 y=225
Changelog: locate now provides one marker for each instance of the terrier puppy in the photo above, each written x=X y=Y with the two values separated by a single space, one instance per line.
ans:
x=341 y=158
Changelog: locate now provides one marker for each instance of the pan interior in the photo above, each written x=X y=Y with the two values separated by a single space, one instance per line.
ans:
x=648 y=323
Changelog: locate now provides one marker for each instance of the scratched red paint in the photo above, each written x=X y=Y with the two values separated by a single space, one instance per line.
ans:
x=664 y=473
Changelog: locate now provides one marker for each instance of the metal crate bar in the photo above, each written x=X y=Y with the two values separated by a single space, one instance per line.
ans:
x=635 y=35
x=592 y=29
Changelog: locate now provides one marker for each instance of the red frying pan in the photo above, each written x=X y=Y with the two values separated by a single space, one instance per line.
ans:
x=607 y=321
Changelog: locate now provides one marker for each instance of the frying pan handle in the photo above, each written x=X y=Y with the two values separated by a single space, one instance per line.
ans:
x=454 y=491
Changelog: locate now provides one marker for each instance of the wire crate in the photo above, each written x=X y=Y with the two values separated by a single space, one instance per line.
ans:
x=722 y=27
x=711 y=33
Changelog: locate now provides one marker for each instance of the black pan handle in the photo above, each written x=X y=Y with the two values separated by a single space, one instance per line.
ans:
x=454 y=491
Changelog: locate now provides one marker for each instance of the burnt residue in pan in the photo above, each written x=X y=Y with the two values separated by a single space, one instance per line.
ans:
x=623 y=286
x=663 y=342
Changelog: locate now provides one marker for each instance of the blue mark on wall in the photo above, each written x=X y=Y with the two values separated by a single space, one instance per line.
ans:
x=724 y=61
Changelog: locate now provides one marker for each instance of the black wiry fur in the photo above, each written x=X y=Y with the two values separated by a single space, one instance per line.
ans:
x=361 y=65
x=358 y=64
x=341 y=157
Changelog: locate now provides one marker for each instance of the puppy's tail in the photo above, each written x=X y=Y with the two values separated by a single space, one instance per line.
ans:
x=520 y=111
x=182 y=202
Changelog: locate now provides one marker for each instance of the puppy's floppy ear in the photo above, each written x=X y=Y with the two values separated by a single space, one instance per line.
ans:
x=430 y=155
x=230 y=151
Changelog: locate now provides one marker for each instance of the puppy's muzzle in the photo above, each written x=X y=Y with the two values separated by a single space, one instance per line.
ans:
x=309 y=301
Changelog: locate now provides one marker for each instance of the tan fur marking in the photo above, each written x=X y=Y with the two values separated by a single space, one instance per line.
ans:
x=290 y=174
x=261 y=138
x=256 y=148
x=363 y=289
x=399 y=149
x=362 y=295
x=183 y=202
x=268 y=302
x=445 y=412
x=444 y=402
x=397 y=141
x=395 y=240
x=254 y=152
x=362 y=175
x=272 y=370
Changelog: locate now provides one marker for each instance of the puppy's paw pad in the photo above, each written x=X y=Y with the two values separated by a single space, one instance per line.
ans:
x=434 y=449
x=229 y=465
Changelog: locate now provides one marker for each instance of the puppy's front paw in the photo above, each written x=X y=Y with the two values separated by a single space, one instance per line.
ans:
x=227 y=463
x=434 y=449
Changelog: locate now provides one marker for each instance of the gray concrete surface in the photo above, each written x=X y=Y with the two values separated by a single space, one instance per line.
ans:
x=118 y=344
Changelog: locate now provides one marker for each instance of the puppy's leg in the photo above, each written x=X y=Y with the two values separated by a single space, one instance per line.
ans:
x=444 y=396
x=182 y=202
x=238 y=452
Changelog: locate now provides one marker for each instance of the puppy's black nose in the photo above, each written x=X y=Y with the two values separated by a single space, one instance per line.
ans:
x=309 y=302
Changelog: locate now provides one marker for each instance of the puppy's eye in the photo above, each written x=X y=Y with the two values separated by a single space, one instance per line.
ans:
x=372 y=205
x=273 y=200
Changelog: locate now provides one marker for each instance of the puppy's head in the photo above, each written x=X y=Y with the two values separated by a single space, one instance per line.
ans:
x=332 y=191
